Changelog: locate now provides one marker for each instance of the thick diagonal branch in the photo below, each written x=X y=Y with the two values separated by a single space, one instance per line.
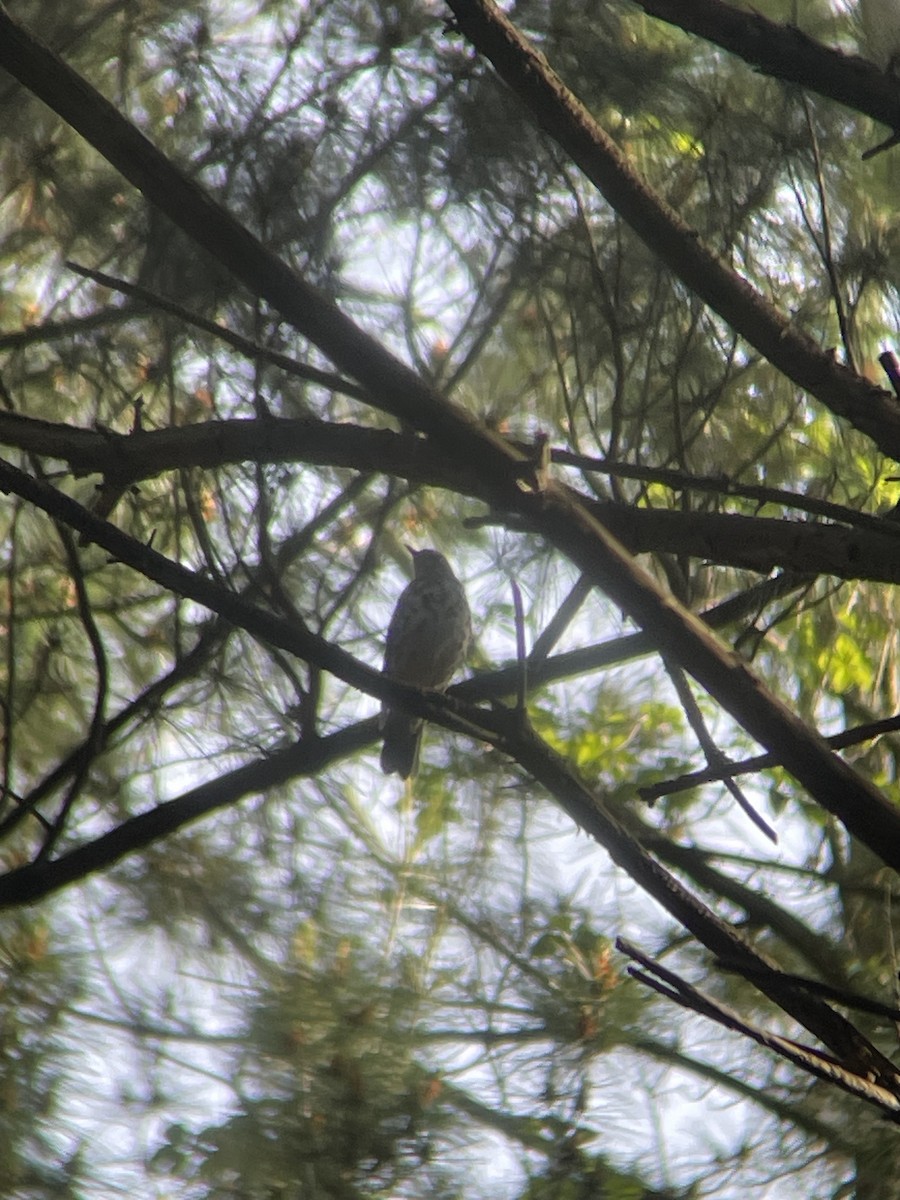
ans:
x=870 y=409
x=785 y=52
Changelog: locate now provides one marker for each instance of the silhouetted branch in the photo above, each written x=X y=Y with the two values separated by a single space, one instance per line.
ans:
x=854 y=1080
x=775 y=334
x=786 y=52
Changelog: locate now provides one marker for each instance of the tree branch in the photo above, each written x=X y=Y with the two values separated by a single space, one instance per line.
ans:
x=870 y=409
x=870 y=550
x=785 y=52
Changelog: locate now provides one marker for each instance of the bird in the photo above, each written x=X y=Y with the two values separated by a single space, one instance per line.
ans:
x=427 y=640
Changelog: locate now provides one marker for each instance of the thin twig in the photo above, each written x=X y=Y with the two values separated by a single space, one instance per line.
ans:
x=714 y=755
x=521 y=658
x=762 y=762
x=825 y=248
x=247 y=347
x=560 y=621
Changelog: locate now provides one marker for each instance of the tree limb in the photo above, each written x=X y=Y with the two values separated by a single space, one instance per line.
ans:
x=785 y=52
x=870 y=409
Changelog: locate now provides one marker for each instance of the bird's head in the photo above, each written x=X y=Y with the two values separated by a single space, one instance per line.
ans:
x=428 y=563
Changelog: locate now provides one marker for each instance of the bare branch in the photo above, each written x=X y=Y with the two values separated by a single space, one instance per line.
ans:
x=787 y=53
x=853 y=1079
x=870 y=409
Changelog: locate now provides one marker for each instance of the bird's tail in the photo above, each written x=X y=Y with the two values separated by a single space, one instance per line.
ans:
x=402 y=739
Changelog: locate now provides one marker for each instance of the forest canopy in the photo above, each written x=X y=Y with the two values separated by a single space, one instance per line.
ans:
x=600 y=301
